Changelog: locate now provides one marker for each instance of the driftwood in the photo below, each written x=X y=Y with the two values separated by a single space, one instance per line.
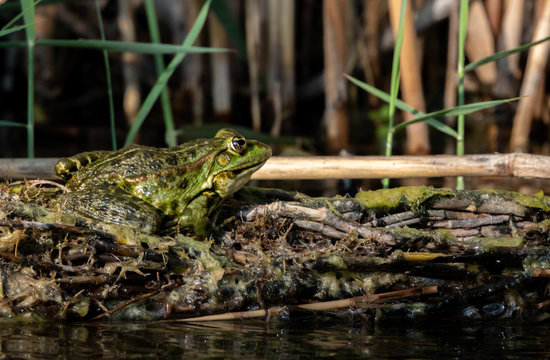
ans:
x=407 y=253
x=352 y=167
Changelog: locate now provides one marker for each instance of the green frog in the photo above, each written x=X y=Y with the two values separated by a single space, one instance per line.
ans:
x=141 y=187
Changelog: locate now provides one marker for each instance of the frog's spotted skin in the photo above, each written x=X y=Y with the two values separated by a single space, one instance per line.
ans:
x=138 y=185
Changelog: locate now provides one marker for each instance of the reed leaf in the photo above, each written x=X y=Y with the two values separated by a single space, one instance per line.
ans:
x=118 y=46
x=8 y=31
x=460 y=110
x=167 y=73
x=28 y=16
x=501 y=54
x=462 y=30
x=401 y=105
x=14 y=20
x=11 y=123
x=231 y=27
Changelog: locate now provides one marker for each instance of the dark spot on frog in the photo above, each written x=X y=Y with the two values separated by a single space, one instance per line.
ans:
x=132 y=170
x=156 y=165
x=191 y=154
x=172 y=160
x=183 y=183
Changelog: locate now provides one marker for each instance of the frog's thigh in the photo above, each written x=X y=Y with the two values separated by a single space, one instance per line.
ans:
x=113 y=205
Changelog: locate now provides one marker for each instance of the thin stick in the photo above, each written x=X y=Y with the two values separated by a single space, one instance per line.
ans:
x=359 y=301
x=134 y=300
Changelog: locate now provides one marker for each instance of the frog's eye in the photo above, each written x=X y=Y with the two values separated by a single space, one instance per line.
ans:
x=238 y=144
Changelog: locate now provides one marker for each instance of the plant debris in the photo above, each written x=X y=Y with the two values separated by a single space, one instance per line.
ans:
x=408 y=253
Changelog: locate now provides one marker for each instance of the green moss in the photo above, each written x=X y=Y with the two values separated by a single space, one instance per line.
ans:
x=412 y=197
x=537 y=201
x=495 y=242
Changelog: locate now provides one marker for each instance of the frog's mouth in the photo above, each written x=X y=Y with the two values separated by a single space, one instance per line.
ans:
x=227 y=182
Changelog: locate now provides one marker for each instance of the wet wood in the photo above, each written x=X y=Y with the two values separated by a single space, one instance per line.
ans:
x=297 y=255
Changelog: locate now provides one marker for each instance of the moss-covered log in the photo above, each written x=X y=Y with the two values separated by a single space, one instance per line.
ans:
x=407 y=253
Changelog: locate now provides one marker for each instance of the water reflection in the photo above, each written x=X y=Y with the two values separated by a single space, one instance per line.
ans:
x=273 y=341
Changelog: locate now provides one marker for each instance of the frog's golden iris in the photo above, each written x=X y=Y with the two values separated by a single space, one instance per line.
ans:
x=138 y=186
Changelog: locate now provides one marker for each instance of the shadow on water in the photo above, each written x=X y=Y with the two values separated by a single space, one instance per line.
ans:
x=233 y=340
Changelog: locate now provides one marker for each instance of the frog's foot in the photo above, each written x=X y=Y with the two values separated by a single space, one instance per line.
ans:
x=192 y=223
x=112 y=205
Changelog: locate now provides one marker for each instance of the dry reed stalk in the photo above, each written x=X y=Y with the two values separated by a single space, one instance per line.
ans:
x=130 y=62
x=540 y=99
x=335 y=25
x=418 y=142
x=512 y=25
x=494 y=13
x=375 y=167
x=220 y=68
x=353 y=167
x=355 y=302
x=368 y=44
x=281 y=60
x=44 y=55
x=534 y=71
x=480 y=42
x=253 y=48
x=451 y=78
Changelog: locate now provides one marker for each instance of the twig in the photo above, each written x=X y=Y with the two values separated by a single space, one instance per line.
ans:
x=38 y=182
x=325 y=216
x=357 y=302
x=134 y=300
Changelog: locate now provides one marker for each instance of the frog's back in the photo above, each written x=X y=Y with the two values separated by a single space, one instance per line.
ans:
x=107 y=168
x=136 y=163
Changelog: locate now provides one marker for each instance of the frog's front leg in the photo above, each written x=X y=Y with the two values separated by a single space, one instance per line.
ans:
x=113 y=205
x=200 y=214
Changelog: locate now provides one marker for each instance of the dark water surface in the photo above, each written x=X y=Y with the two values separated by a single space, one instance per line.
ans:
x=292 y=340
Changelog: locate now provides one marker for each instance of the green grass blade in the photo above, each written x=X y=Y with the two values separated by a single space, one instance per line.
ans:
x=401 y=105
x=17 y=17
x=163 y=78
x=11 y=123
x=231 y=27
x=462 y=30
x=118 y=46
x=8 y=31
x=28 y=17
x=394 y=87
x=159 y=64
x=108 y=78
x=134 y=47
x=460 y=110
x=501 y=54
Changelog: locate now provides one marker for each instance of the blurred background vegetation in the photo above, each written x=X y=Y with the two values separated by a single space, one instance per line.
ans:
x=284 y=75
